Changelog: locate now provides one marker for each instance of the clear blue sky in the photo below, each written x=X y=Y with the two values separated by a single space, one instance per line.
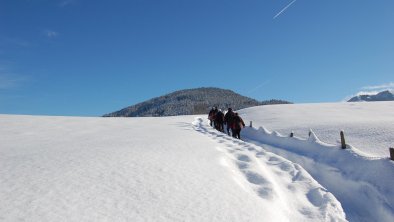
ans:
x=87 y=58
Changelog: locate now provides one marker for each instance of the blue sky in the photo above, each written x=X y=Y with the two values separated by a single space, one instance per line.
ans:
x=87 y=58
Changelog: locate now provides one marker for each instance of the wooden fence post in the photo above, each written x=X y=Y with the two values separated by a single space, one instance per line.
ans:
x=251 y=125
x=292 y=134
x=391 y=153
x=343 y=143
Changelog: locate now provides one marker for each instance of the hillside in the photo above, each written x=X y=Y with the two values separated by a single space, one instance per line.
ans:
x=181 y=169
x=189 y=102
x=381 y=96
x=148 y=169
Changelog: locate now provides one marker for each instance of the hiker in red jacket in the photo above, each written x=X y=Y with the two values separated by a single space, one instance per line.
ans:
x=238 y=124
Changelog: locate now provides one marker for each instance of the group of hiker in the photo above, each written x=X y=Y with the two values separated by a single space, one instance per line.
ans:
x=231 y=119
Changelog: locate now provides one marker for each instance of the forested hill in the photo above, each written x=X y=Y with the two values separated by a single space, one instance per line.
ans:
x=190 y=102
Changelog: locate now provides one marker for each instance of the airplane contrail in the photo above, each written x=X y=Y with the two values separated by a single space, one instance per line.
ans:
x=284 y=9
x=258 y=87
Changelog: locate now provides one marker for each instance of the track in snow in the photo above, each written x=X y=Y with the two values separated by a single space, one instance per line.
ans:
x=275 y=179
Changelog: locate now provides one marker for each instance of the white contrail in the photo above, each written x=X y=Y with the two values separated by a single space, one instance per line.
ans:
x=258 y=87
x=284 y=9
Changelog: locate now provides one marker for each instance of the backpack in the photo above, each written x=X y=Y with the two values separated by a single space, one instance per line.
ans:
x=238 y=123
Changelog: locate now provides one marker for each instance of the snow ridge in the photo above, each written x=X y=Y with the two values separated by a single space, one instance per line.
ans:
x=367 y=126
x=350 y=176
x=283 y=185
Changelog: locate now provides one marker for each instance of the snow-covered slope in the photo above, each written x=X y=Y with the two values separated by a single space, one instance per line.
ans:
x=148 y=169
x=363 y=184
x=368 y=126
x=387 y=95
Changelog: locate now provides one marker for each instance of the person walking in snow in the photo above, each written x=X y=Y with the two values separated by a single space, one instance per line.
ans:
x=211 y=115
x=219 y=120
x=238 y=124
x=228 y=119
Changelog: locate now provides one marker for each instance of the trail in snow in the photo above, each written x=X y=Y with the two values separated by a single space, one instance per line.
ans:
x=285 y=185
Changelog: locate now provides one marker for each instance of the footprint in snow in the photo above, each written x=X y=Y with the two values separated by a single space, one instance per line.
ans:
x=274 y=159
x=255 y=178
x=243 y=158
x=251 y=149
x=260 y=154
x=238 y=142
x=242 y=165
x=317 y=196
x=265 y=192
x=285 y=166
x=298 y=176
x=264 y=187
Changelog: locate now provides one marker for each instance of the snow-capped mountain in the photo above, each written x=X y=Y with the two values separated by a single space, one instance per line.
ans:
x=387 y=95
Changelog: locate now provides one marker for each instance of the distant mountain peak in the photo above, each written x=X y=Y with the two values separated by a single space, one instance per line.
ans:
x=190 y=102
x=387 y=95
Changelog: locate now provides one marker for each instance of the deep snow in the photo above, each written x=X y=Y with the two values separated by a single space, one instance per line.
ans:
x=148 y=169
x=361 y=182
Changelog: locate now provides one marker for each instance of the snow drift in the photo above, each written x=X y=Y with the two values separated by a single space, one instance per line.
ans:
x=362 y=183
x=368 y=126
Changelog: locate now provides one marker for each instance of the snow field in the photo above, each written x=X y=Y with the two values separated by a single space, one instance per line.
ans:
x=147 y=169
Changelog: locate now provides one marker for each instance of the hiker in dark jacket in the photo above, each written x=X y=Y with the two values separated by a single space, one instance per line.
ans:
x=211 y=115
x=219 y=120
x=238 y=124
x=228 y=119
